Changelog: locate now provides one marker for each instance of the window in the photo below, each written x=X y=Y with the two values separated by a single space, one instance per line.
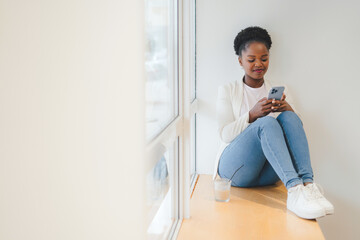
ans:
x=192 y=78
x=160 y=65
x=170 y=114
x=162 y=118
x=162 y=192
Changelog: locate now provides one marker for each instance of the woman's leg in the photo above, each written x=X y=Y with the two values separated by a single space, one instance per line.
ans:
x=297 y=144
x=299 y=150
x=245 y=158
x=245 y=162
x=267 y=176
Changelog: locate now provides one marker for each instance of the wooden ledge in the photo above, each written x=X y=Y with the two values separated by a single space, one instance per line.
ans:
x=251 y=213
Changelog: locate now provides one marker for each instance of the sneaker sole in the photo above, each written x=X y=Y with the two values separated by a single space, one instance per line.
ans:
x=309 y=216
x=329 y=211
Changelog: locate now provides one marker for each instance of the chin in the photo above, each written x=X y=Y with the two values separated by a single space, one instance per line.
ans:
x=257 y=77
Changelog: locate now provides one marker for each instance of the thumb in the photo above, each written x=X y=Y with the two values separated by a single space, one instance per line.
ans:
x=263 y=99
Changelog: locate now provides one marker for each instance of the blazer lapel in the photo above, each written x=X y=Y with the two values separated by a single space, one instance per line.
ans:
x=238 y=97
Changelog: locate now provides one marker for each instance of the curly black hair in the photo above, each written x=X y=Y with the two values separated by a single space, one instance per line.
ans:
x=249 y=35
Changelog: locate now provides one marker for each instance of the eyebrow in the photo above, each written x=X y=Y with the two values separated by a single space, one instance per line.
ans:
x=261 y=56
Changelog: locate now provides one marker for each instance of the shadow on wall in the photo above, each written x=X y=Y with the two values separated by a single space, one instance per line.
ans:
x=333 y=156
x=335 y=169
x=344 y=223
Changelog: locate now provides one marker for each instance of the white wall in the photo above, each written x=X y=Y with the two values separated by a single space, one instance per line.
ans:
x=71 y=145
x=316 y=53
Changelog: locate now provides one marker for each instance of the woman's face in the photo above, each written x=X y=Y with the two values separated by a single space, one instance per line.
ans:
x=255 y=60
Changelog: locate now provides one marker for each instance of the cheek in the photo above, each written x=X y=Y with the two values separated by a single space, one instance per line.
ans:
x=248 y=65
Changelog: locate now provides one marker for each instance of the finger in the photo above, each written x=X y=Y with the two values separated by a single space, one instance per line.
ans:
x=268 y=111
x=279 y=107
x=274 y=108
x=283 y=97
x=282 y=107
x=275 y=102
x=270 y=100
x=266 y=108
x=267 y=103
x=263 y=99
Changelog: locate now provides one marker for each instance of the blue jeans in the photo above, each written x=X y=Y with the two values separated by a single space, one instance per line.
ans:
x=267 y=150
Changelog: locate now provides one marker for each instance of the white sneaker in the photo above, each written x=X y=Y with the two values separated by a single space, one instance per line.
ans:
x=303 y=204
x=313 y=188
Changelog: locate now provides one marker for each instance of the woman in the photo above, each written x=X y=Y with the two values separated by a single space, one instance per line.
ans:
x=263 y=139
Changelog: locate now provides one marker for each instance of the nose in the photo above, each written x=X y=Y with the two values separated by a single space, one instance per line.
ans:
x=257 y=63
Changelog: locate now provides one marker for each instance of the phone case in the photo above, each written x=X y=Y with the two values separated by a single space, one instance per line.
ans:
x=276 y=93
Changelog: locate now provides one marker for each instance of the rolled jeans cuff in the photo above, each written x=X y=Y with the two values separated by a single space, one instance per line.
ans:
x=307 y=179
x=293 y=182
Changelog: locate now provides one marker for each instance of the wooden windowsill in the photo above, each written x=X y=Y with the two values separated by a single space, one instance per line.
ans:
x=251 y=213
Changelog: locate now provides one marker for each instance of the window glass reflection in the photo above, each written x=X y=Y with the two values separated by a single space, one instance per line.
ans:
x=160 y=56
x=160 y=198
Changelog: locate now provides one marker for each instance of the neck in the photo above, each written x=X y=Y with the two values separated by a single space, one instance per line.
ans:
x=251 y=82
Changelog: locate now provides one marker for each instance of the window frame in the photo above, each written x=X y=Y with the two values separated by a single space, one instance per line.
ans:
x=189 y=107
x=169 y=133
x=180 y=127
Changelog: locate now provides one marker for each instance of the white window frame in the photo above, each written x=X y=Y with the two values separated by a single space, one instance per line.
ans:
x=180 y=126
x=187 y=108
x=170 y=133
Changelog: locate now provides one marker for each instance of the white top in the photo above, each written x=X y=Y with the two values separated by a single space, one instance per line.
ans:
x=251 y=96
x=232 y=112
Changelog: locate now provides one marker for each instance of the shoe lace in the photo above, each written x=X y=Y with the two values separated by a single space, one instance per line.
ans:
x=321 y=189
x=316 y=190
x=309 y=193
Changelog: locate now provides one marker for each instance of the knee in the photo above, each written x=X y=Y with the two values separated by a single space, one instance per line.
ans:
x=268 y=121
x=243 y=182
x=288 y=116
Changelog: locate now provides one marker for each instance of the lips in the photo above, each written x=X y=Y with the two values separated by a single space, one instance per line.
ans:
x=258 y=70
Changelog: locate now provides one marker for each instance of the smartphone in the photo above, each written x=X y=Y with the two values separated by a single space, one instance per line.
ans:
x=276 y=93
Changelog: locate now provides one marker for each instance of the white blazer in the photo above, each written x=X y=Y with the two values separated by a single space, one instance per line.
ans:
x=230 y=123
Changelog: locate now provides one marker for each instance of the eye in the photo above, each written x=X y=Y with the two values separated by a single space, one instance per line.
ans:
x=264 y=60
x=251 y=60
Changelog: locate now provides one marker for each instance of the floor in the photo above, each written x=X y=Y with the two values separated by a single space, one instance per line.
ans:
x=251 y=213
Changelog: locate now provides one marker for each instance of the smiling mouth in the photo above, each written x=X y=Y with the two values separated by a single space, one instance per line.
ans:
x=259 y=70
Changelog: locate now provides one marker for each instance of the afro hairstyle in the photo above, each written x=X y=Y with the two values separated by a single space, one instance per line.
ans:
x=249 y=35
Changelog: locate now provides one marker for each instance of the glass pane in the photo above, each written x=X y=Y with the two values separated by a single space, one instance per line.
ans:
x=193 y=146
x=160 y=65
x=160 y=195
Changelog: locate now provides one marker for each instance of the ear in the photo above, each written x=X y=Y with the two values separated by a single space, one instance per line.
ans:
x=240 y=61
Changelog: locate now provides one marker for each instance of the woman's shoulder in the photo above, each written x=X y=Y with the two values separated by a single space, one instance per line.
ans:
x=229 y=86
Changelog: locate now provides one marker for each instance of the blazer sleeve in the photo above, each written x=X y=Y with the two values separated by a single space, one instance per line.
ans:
x=229 y=127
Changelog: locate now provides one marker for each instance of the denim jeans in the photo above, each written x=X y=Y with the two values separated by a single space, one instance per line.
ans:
x=267 y=150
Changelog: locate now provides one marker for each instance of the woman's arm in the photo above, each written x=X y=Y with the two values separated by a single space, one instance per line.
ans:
x=228 y=127
x=287 y=103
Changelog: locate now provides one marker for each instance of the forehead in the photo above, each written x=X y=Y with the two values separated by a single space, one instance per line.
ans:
x=255 y=49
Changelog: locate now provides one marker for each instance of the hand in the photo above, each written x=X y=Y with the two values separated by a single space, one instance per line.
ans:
x=280 y=105
x=261 y=108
